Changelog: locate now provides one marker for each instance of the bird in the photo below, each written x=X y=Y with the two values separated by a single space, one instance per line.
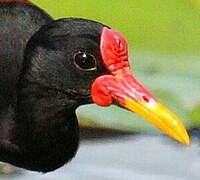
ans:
x=50 y=67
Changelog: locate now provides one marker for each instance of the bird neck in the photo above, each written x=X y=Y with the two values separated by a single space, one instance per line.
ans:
x=46 y=128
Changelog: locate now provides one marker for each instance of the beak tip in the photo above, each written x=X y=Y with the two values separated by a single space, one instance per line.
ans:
x=185 y=139
x=162 y=118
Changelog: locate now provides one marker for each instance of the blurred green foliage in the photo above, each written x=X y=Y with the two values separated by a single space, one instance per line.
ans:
x=195 y=3
x=195 y=116
x=165 y=37
x=167 y=26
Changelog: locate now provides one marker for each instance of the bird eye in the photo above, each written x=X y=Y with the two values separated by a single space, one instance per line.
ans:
x=85 y=61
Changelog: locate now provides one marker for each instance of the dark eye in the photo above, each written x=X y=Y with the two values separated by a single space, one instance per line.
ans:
x=85 y=61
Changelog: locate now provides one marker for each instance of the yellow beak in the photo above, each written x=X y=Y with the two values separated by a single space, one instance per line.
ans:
x=160 y=117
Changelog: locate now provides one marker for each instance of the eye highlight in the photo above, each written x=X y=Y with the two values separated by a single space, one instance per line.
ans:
x=85 y=61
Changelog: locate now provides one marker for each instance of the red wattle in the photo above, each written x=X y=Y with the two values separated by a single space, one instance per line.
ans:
x=100 y=93
x=123 y=86
x=114 y=50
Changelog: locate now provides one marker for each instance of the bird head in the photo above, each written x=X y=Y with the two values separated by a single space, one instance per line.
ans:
x=89 y=61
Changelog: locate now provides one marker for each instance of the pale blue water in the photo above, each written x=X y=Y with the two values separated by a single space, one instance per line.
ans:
x=132 y=157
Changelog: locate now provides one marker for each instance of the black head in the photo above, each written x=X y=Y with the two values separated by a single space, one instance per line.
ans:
x=65 y=55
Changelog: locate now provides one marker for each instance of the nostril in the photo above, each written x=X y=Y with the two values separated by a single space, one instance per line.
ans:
x=145 y=99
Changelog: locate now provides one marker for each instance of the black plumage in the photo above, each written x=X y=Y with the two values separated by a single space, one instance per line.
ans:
x=41 y=84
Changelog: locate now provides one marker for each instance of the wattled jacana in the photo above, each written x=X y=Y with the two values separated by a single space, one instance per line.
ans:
x=49 y=68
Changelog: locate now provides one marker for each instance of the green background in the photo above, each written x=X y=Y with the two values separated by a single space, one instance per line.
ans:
x=161 y=25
